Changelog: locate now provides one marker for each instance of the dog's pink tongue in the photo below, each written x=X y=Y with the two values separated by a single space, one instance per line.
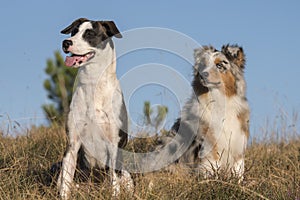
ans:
x=73 y=60
x=70 y=61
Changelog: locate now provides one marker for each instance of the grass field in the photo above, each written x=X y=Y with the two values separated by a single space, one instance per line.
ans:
x=272 y=172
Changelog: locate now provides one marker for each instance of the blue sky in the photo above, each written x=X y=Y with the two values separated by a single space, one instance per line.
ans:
x=268 y=31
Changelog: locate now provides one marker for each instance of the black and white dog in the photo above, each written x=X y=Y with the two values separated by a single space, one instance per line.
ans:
x=97 y=121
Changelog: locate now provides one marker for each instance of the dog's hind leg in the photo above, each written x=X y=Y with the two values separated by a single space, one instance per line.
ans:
x=68 y=169
x=125 y=178
x=126 y=181
x=119 y=176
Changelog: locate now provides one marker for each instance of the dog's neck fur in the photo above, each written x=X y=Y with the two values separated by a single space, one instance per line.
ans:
x=219 y=106
x=101 y=68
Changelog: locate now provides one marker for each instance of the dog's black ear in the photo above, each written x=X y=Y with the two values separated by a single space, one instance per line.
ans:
x=111 y=29
x=76 y=23
x=235 y=54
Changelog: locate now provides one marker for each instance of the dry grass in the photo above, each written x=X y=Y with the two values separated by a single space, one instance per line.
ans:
x=273 y=172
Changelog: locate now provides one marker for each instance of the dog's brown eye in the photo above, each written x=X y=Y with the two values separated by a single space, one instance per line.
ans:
x=221 y=67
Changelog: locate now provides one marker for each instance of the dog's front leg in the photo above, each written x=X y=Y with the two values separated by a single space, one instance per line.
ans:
x=114 y=171
x=68 y=170
x=238 y=169
x=115 y=183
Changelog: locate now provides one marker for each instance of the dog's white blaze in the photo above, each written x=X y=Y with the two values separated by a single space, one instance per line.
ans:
x=80 y=47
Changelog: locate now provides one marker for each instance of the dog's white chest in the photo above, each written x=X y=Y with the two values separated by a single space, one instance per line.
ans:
x=81 y=107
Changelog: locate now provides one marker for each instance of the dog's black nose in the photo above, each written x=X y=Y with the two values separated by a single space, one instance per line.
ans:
x=66 y=44
x=204 y=74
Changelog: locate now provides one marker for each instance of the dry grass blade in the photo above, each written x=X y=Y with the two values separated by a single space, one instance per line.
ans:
x=273 y=172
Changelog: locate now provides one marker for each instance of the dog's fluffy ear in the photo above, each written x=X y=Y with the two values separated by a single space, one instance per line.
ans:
x=235 y=54
x=111 y=29
x=197 y=54
x=76 y=23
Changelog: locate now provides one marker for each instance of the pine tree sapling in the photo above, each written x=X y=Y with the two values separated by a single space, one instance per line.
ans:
x=59 y=86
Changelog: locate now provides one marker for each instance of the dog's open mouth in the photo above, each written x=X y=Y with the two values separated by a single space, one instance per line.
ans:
x=78 y=59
